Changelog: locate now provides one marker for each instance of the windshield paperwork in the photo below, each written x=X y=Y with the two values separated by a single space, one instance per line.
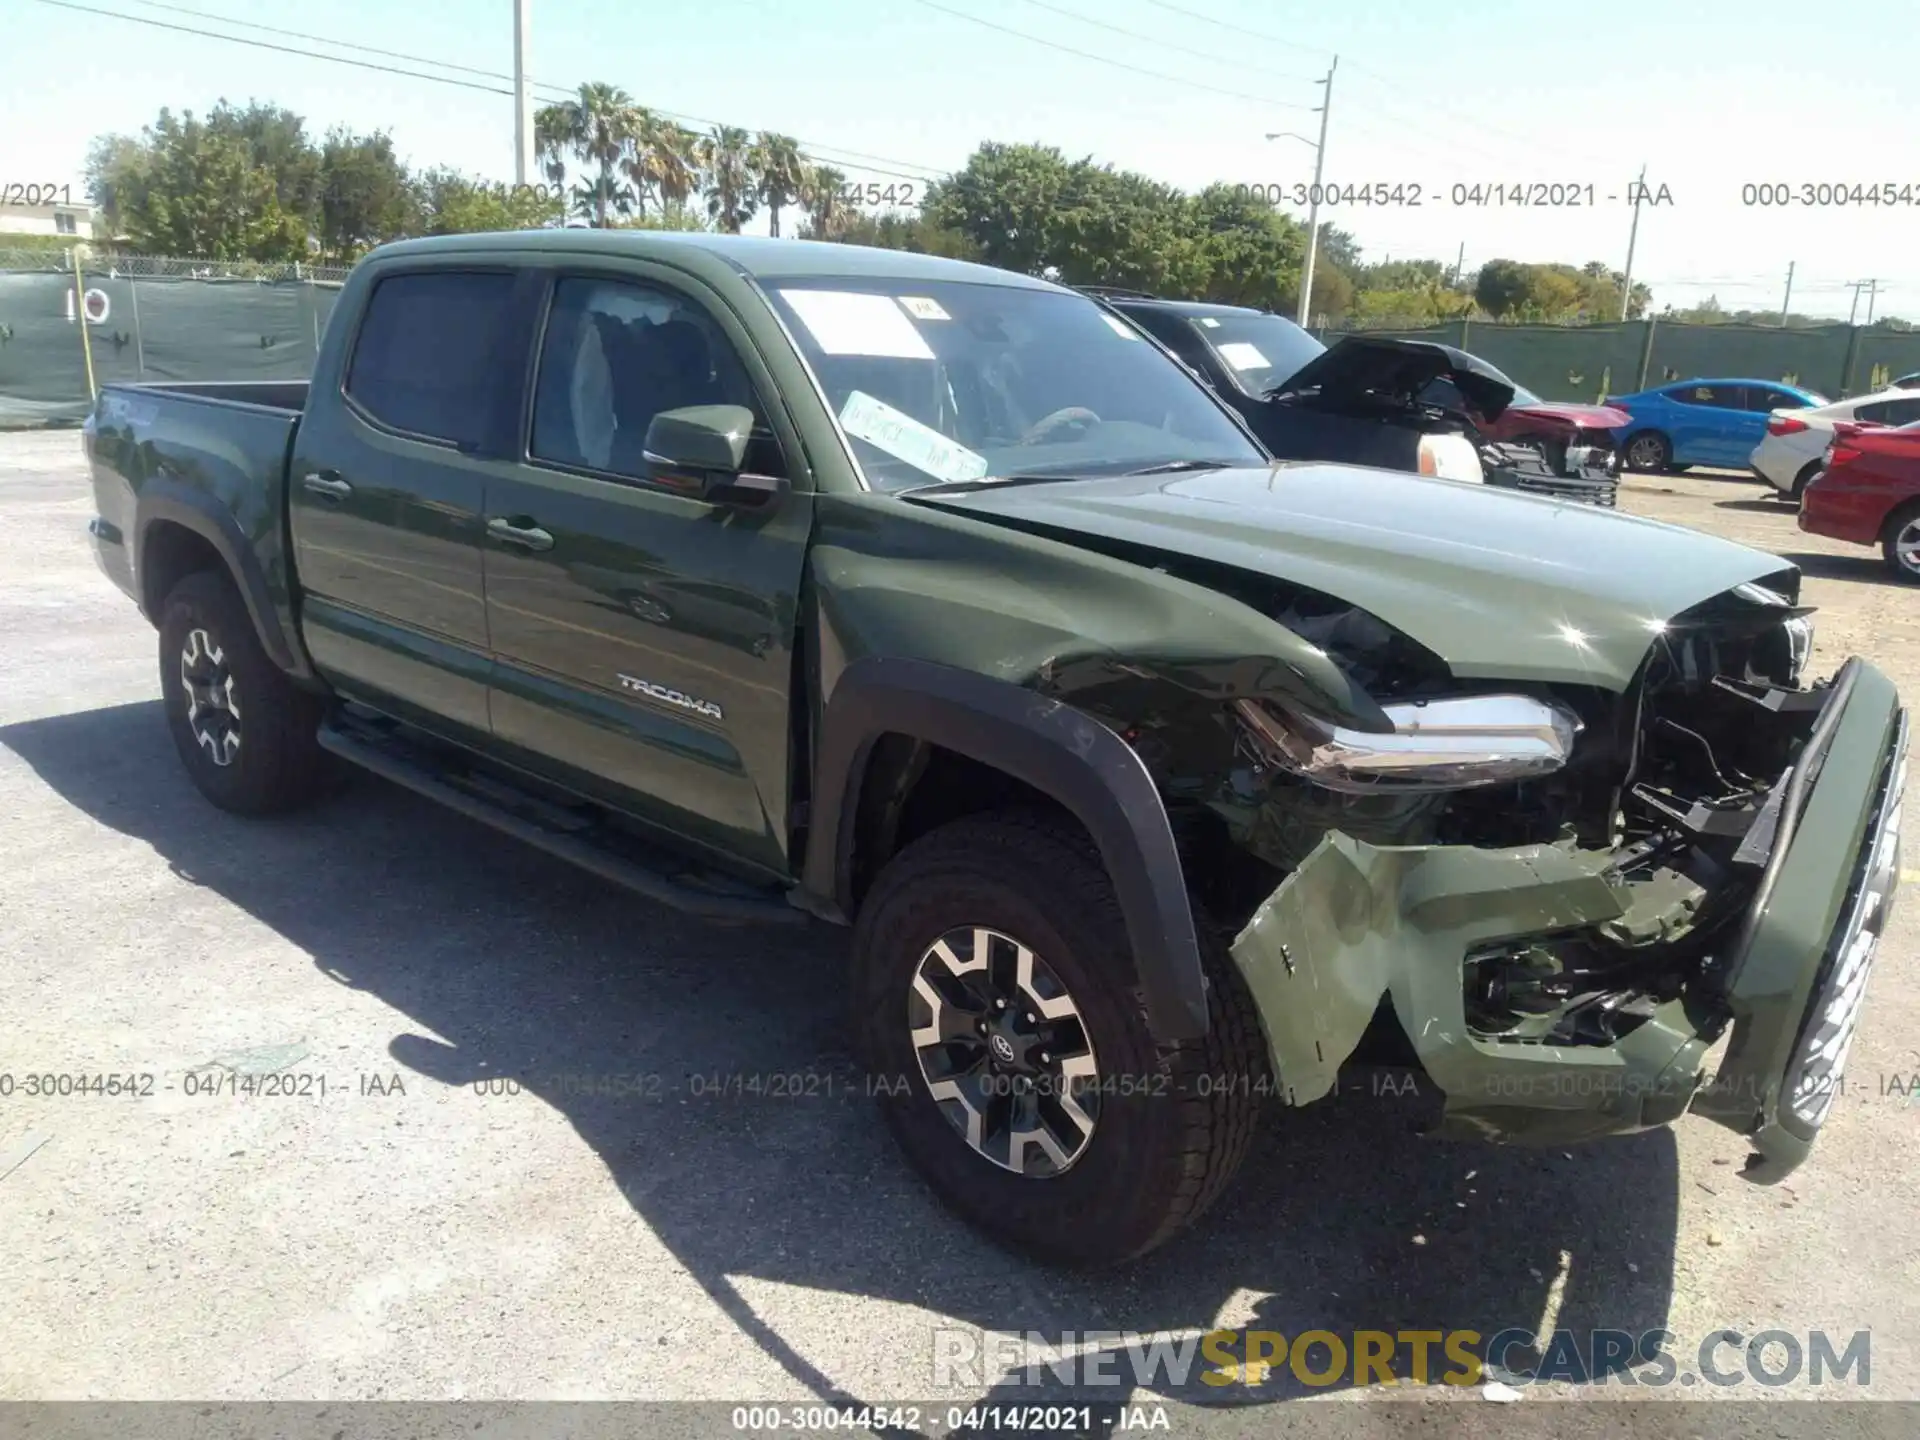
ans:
x=1263 y=351
x=947 y=383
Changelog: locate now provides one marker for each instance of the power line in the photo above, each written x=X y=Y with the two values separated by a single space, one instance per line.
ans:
x=904 y=172
x=1217 y=59
x=1103 y=60
x=1400 y=85
x=1238 y=29
x=283 y=49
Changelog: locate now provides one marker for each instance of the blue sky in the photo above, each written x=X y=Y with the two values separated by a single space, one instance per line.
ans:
x=1709 y=97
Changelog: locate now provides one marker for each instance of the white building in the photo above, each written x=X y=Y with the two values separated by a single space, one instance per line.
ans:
x=47 y=219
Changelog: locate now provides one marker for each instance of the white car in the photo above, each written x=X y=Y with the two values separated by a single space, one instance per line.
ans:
x=1789 y=454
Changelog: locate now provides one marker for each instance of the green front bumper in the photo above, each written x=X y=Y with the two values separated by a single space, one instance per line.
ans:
x=1356 y=923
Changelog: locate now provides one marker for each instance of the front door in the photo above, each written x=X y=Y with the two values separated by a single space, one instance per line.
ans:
x=386 y=493
x=643 y=638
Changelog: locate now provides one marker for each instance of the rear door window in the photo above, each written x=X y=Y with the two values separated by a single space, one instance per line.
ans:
x=427 y=360
x=1716 y=397
x=1889 y=412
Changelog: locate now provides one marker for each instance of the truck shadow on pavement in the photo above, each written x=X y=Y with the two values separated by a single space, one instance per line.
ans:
x=532 y=972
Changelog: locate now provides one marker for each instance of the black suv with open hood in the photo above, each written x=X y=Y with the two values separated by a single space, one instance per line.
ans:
x=1361 y=401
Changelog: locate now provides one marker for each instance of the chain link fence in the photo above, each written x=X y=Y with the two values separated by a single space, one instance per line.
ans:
x=165 y=318
x=149 y=318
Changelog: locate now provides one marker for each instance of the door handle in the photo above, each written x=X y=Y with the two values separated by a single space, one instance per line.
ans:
x=528 y=536
x=325 y=483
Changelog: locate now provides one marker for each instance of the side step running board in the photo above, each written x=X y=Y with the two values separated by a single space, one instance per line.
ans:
x=385 y=761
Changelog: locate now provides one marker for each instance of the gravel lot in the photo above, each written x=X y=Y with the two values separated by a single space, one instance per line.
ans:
x=409 y=1235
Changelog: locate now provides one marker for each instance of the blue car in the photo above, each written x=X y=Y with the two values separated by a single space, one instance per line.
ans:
x=1701 y=422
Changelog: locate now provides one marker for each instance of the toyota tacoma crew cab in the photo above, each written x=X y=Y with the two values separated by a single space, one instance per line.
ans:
x=782 y=581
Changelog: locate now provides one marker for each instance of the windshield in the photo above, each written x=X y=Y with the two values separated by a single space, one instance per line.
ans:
x=1261 y=351
x=1524 y=396
x=938 y=381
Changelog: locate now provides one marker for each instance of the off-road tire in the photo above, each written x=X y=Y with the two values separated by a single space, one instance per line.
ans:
x=277 y=764
x=1175 y=1120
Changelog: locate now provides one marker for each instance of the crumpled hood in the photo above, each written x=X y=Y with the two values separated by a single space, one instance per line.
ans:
x=1498 y=585
x=1580 y=417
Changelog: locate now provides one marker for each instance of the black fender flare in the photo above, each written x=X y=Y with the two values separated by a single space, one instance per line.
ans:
x=1058 y=750
x=165 y=501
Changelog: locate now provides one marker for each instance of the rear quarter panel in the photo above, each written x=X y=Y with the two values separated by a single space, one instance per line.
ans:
x=157 y=455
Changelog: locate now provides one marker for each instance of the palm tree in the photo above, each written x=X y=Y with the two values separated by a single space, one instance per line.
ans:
x=726 y=157
x=552 y=127
x=782 y=172
x=663 y=162
x=820 y=195
x=597 y=126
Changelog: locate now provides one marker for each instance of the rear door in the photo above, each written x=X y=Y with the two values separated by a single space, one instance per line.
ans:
x=386 y=484
x=643 y=637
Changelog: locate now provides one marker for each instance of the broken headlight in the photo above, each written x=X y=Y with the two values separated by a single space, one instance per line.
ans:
x=1434 y=744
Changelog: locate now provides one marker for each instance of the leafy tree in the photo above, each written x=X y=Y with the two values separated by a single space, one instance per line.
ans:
x=366 y=195
x=193 y=187
x=781 y=171
x=1502 y=287
x=445 y=202
x=906 y=232
x=1007 y=199
x=276 y=140
x=1249 y=252
x=726 y=161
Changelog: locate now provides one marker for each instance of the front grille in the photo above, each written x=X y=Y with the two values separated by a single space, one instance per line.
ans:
x=1840 y=989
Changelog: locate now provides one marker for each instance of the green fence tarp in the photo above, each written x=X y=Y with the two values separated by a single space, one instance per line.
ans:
x=148 y=329
x=1585 y=362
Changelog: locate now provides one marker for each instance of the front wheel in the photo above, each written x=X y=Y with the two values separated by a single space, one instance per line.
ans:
x=998 y=1009
x=245 y=732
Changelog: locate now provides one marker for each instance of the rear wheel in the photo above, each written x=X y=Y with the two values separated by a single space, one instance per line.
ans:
x=999 y=1011
x=1649 y=451
x=1900 y=543
x=245 y=732
x=1800 y=482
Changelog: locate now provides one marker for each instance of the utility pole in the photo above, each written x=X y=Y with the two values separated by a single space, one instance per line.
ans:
x=1633 y=235
x=522 y=97
x=1459 y=264
x=1313 y=209
x=1857 y=286
x=1873 y=293
x=1788 y=298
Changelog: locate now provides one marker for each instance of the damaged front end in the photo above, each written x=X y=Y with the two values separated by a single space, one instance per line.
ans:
x=1566 y=897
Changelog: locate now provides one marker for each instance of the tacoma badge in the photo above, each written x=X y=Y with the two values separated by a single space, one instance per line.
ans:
x=672 y=697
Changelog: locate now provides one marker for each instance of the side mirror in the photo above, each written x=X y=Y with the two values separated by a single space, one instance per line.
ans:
x=701 y=449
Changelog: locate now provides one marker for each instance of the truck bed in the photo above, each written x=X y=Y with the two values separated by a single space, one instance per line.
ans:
x=216 y=450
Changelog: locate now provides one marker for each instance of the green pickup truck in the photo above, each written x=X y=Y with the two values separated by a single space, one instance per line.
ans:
x=1155 y=779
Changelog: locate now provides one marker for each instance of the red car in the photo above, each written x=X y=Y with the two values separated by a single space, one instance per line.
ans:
x=1568 y=435
x=1869 y=493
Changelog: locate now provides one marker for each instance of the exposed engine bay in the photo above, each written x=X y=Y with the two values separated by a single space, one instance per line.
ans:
x=1668 y=788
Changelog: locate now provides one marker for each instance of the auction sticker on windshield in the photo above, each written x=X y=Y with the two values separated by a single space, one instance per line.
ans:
x=1242 y=356
x=845 y=322
x=905 y=438
x=922 y=307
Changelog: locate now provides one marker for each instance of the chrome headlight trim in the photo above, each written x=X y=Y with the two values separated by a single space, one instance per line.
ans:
x=1451 y=744
x=1799 y=645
